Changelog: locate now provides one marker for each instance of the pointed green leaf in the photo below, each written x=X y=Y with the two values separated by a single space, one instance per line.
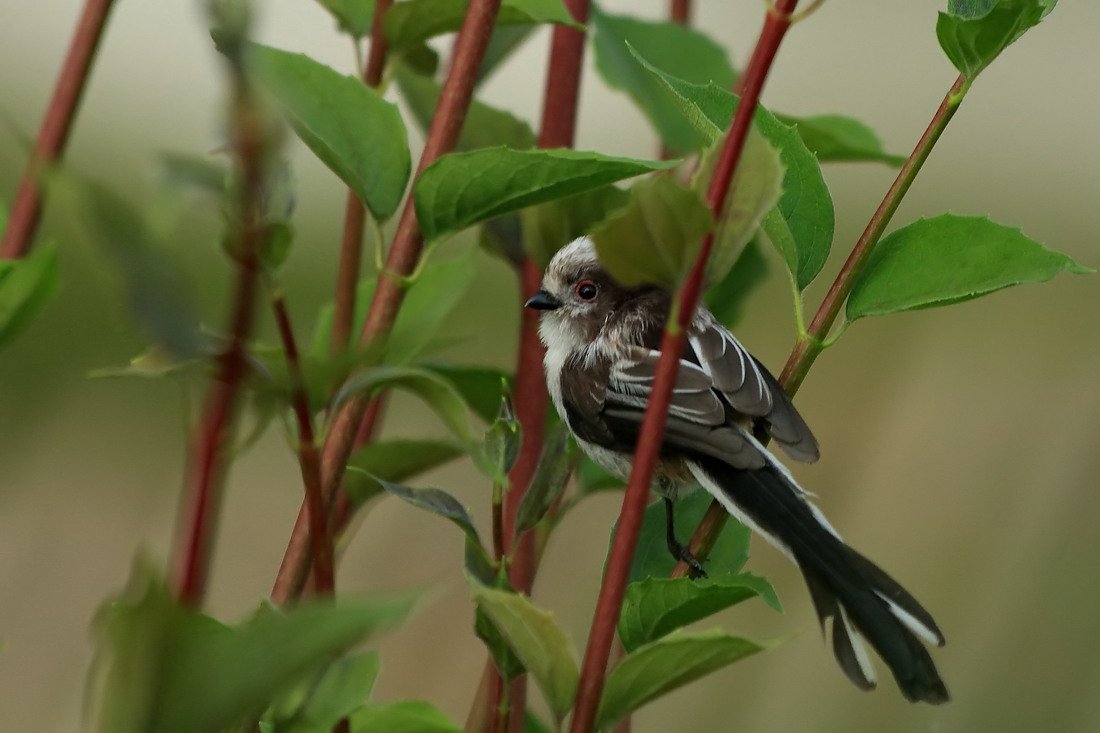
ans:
x=157 y=658
x=501 y=445
x=406 y=716
x=346 y=124
x=321 y=703
x=157 y=288
x=550 y=226
x=438 y=393
x=480 y=387
x=657 y=237
x=537 y=640
x=484 y=127
x=436 y=501
x=972 y=40
x=948 y=259
x=26 y=286
x=418 y=20
x=548 y=482
x=726 y=298
x=353 y=17
x=663 y=666
x=428 y=302
x=504 y=657
x=681 y=51
x=652 y=558
x=806 y=207
x=397 y=461
x=655 y=607
x=462 y=189
x=840 y=139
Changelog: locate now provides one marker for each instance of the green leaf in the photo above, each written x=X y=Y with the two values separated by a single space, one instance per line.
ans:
x=504 y=41
x=657 y=237
x=157 y=289
x=406 y=716
x=484 y=127
x=504 y=657
x=973 y=41
x=353 y=17
x=481 y=387
x=26 y=286
x=550 y=226
x=537 y=640
x=805 y=209
x=548 y=481
x=655 y=607
x=321 y=341
x=438 y=393
x=428 y=302
x=663 y=666
x=502 y=441
x=681 y=51
x=418 y=20
x=949 y=259
x=726 y=298
x=652 y=558
x=462 y=189
x=321 y=703
x=203 y=172
x=840 y=139
x=754 y=191
x=156 y=659
x=346 y=124
x=396 y=461
x=592 y=478
x=532 y=724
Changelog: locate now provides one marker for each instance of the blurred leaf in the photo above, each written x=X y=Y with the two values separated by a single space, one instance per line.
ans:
x=480 y=387
x=346 y=124
x=655 y=607
x=548 y=481
x=418 y=20
x=663 y=666
x=431 y=298
x=837 y=138
x=592 y=478
x=160 y=299
x=155 y=363
x=949 y=259
x=726 y=298
x=462 y=189
x=353 y=17
x=532 y=724
x=549 y=227
x=156 y=659
x=681 y=51
x=406 y=716
x=805 y=209
x=484 y=127
x=973 y=34
x=275 y=245
x=753 y=192
x=537 y=640
x=321 y=341
x=438 y=393
x=652 y=557
x=204 y=172
x=321 y=703
x=506 y=39
x=26 y=286
x=656 y=238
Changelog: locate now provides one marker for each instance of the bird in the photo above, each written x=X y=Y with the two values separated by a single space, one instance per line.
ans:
x=602 y=344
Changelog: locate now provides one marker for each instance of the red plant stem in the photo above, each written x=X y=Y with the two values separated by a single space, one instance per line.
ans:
x=355 y=214
x=202 y=491
x=679 y=11
x=309 y=459
x=610 y=600
x=54 y=132
x=404 y=254
x=808 y=349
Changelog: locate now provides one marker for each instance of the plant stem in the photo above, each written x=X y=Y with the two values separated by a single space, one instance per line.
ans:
x=56 y=125
x=647 y=453
x=206 y=469
x=810 y=347
x=351 y=247
x=309 y=459
x=403 y=257
x=679 y=11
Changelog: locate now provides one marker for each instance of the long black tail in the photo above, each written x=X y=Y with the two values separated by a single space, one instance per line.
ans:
x=861 y=599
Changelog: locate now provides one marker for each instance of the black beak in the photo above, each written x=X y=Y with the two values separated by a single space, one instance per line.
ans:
x=542 y=301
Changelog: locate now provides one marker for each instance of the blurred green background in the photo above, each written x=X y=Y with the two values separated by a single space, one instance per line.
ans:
x=961 y=446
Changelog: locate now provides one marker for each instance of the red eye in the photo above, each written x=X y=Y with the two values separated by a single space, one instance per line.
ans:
x=587 y=290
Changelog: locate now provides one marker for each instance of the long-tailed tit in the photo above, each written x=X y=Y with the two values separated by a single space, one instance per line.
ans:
x=602 y=345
